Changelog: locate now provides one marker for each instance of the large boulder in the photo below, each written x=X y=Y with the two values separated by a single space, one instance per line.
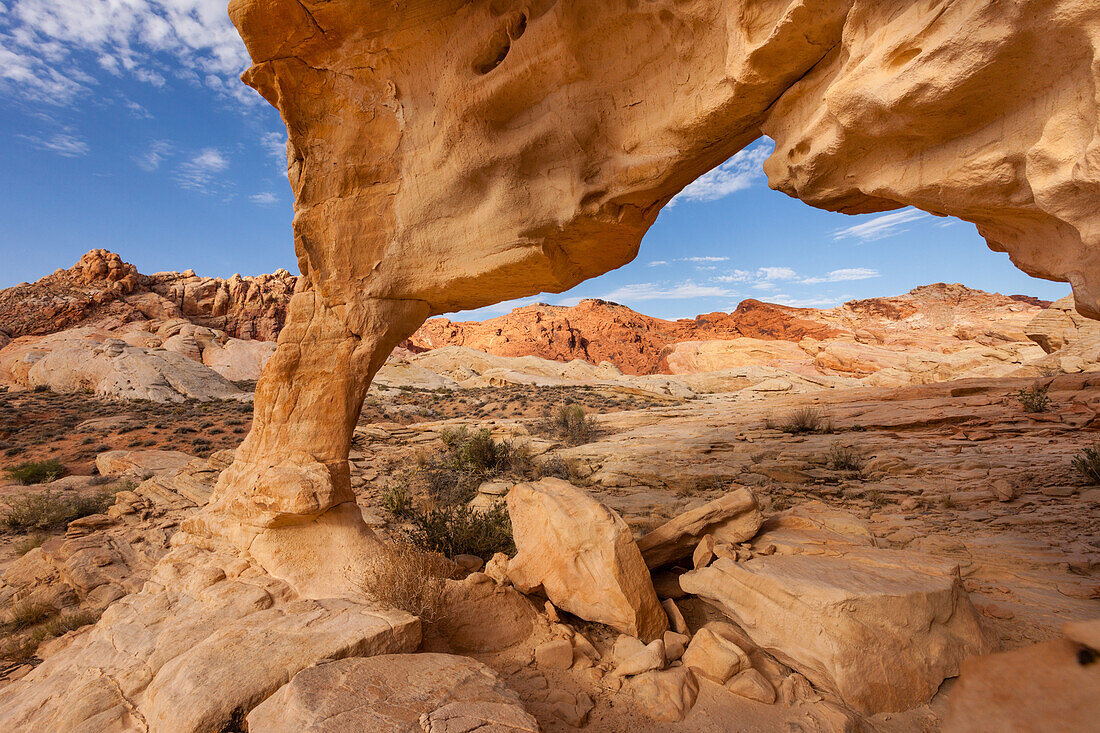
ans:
x=733 y=518
x=880 y=628
x=582 y=555
x=1052 y=687
x=394 y=693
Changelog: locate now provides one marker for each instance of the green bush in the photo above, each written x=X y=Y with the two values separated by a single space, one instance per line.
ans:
x=469 y=460
x=568 y=423
x=49 y=510
x=1034 y=398
x=37 y=472
x=459 y=530
x=1087 y=463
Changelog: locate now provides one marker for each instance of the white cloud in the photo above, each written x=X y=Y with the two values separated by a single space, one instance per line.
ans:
x=881 y=226
x=151 y=159
x=274 y=143
x=44 y=44
x=766 y=278
x=703 y=259
x=200 y=173
x=742 y=171
x=657 y=263
x=777 y=273
x=264 y=199
x=62 y=143
x=661 y=291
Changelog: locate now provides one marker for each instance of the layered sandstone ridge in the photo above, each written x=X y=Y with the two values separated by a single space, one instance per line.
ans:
x=870 y=334
x=101 y=286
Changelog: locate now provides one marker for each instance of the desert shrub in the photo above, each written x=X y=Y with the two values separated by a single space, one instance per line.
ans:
x=568 y=423
x=469 y=459
x=49 y=510
x=25 y=615
x=558 y=467
x=397 y=502
x=404 y=577
x=28 y=543
x=63 y=624
x=1034 y=398
x=457 y=529
x=876 y=497
x=803 y=420
x=1087 y=463
x=843 y=458
x=37 y=472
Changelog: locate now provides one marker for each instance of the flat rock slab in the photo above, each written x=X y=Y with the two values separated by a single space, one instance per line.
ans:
x=118 y=462
x=732 y=518
x=881 y=628
x=395 y=693
x=192 y=659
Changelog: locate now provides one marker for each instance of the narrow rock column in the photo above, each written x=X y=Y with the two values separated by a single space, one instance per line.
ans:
x=287 y=498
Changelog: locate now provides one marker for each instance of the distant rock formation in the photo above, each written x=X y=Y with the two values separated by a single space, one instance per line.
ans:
x=102 y=286
x=873 y=333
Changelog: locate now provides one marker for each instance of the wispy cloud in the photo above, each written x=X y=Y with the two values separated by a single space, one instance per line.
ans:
x=692 y=260
x=663 y=291
x=768 y=278
x=843 y=275
x=151 y=159
x=742 y=171
x=43 y=44
x=64 y=144
x=881 y=226
x=200 y=173
x=274 y=144
x=264 y=199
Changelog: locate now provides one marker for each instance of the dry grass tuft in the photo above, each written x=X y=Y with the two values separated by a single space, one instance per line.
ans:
x=404 y=577
x=801 y=421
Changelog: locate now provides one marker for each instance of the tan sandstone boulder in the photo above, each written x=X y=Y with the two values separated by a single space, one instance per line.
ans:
x=1052 y=687
x=881 y=628
x=394 y=693
x=584 y=558
x=732 y=518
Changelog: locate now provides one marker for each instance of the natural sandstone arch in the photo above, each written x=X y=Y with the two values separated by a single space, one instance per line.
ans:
x=447 y=155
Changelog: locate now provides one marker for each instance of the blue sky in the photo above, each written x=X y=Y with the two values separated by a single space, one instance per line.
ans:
x=124 y=126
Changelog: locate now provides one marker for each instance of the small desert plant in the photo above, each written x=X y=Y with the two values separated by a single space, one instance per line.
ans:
x=843 y=458
x=1087 y=463
x=37 y=472
x=804 y=420
x=558 y=467
x=404 y=577
x=397 y=502
x=568 y=423
x=28 y=543
x=63 y=624
x=876 y=497
x=26 y=614
x=49 y=510
x=1034 y=398
x=458 y=529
